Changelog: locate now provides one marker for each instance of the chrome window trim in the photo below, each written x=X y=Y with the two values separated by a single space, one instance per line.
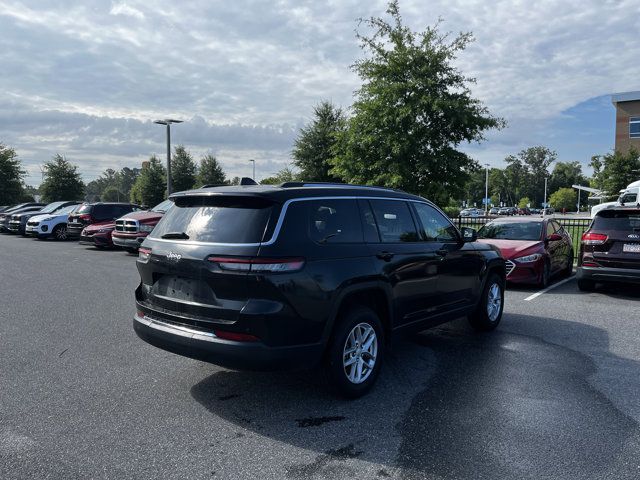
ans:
x=283 y=212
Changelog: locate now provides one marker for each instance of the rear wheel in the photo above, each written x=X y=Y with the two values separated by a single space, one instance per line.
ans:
x=586 y=285
x=60 y=232
x=488 y=313
x=355 y=352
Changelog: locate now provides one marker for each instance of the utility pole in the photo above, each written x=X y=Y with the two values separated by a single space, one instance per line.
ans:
x=168 y=122
x=486 y=190
x=544 y=206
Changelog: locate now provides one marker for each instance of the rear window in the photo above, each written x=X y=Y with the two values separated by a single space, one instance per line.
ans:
x=85 y=209
x=217 y=219
x=617 y=220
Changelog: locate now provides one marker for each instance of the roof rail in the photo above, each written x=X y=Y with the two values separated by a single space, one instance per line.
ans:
x=333 y=185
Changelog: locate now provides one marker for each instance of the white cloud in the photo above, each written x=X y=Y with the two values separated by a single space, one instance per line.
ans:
x=122 y=8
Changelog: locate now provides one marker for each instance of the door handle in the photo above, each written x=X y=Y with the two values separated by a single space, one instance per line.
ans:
x=442 y=252
x=386 y=256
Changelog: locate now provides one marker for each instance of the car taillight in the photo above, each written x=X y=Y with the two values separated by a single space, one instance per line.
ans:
x=144 y=253
x=272 y=265
x=85 y=217
x=236 y=337
x=590 y=238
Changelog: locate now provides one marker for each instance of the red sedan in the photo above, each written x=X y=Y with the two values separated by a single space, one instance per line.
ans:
x=535 y=249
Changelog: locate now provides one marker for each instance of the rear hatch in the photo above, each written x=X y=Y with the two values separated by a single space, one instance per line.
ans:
x=185 y=278
x=615 y=238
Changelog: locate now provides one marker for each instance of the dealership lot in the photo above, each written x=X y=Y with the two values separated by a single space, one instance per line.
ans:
x=552 y=393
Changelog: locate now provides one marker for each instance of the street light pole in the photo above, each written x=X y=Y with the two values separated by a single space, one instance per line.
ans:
x=254 y=168
x=168 y=122
x=544 y=207
x=486 y=190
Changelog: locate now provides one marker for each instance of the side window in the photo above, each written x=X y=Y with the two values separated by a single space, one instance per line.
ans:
x=100 y=212
x=435 y=227
x=333 y=221
x=550 y=229
x=394 y=220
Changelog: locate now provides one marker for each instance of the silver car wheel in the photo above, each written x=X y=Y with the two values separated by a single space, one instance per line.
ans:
x=360 y=352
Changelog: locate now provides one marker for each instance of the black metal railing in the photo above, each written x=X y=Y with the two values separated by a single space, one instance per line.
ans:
x=575 y=227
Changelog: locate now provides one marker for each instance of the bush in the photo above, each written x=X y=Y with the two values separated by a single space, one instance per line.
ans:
x=452 y=212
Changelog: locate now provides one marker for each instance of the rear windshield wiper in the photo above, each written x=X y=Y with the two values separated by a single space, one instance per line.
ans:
x=176 y=235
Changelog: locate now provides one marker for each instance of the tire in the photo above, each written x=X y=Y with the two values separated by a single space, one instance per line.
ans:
x=488 y=313
x=131 y=250
x=59 y=233
x=344 y=379
x=569 y=268
x=586 y=285
x=545 y=276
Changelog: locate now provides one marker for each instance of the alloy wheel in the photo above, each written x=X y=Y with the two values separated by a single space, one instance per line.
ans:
x=360 y=352
x=494 y=302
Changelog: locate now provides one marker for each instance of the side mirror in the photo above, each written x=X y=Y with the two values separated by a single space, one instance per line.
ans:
x=554 y=237
x=469 y=234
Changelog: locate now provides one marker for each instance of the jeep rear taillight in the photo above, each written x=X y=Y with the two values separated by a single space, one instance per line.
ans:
x=259 y=265
x=144 y=253
x=591 y=238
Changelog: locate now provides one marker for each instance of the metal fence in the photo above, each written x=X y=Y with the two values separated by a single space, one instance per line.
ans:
x=574 y=226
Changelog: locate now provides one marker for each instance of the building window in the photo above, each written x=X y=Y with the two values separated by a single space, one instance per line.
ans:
x=634 y=127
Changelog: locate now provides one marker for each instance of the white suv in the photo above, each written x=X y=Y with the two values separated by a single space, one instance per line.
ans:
x=50 y=225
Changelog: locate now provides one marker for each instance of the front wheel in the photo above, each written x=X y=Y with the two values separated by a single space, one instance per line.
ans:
x=488 y=313
x=569 y=268
x=60 y=232
x=355 y=352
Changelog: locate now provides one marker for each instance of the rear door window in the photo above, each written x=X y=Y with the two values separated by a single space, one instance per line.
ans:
x=332 y=221
x=224 y=219
x=394 y=220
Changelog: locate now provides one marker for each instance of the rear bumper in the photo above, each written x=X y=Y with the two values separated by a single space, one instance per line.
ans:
x=604 y=274
x=207 y=347
x=74 y=231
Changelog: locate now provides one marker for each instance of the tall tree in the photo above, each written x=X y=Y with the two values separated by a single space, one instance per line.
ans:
x=150 y=186
x=62 y=181
x=564 y=199
x=211 y=172
x=284 y=175
x=616 y=170
x=316 y=143
x=11 y=176
x=412 y=112
x=566 y=174
x=183 y=169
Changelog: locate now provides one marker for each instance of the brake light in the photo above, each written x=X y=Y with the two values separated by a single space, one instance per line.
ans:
x=236 y=337
x=272 y=265
x=144 y=253
x=85 y=217
x=589 y=264
x=590 y=238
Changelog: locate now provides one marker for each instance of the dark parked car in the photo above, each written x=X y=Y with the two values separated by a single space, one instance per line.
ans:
x=18 y=222
x=610 y=248
x=101 y=215
x=5 y=217
x=536 y=249
x=291 y=276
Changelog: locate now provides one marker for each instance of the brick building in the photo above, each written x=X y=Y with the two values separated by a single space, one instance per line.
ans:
x=627 y=120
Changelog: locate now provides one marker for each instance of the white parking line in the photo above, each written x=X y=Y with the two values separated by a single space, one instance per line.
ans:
x=550 y=287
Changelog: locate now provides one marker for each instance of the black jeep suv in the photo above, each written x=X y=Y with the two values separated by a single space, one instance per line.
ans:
x=289 y=276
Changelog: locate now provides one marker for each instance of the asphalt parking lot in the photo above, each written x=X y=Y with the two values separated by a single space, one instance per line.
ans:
x=553 y=393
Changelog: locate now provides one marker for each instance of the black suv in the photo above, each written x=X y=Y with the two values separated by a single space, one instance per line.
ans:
x=289 y=276
x=610 y=248
x=96 y=213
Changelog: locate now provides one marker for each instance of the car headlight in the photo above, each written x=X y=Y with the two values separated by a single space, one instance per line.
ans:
x=146 y=228
x=529 y=258
x=105 y=230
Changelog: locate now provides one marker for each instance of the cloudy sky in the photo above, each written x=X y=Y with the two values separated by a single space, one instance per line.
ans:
x=86 y=78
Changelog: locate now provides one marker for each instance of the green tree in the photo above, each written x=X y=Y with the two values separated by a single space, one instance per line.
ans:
x=526 y=172
x=316 y=143
x=183 y=170
x=211 y=172
x=112 y=194
x=284 y=175
x=11 y=176
x=62 y=181
x=29 y=194
x=616 y=170
x=524 y=202
x=564 y=198
x=150 y=186
x=412 y=112
x=566 y=174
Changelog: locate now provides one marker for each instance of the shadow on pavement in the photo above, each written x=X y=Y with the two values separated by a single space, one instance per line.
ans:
x=450 y=404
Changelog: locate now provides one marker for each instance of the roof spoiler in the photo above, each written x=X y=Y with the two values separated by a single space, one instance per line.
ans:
x=248 y=181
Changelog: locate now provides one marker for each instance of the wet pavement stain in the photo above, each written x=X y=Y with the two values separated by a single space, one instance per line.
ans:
x=317 y=421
